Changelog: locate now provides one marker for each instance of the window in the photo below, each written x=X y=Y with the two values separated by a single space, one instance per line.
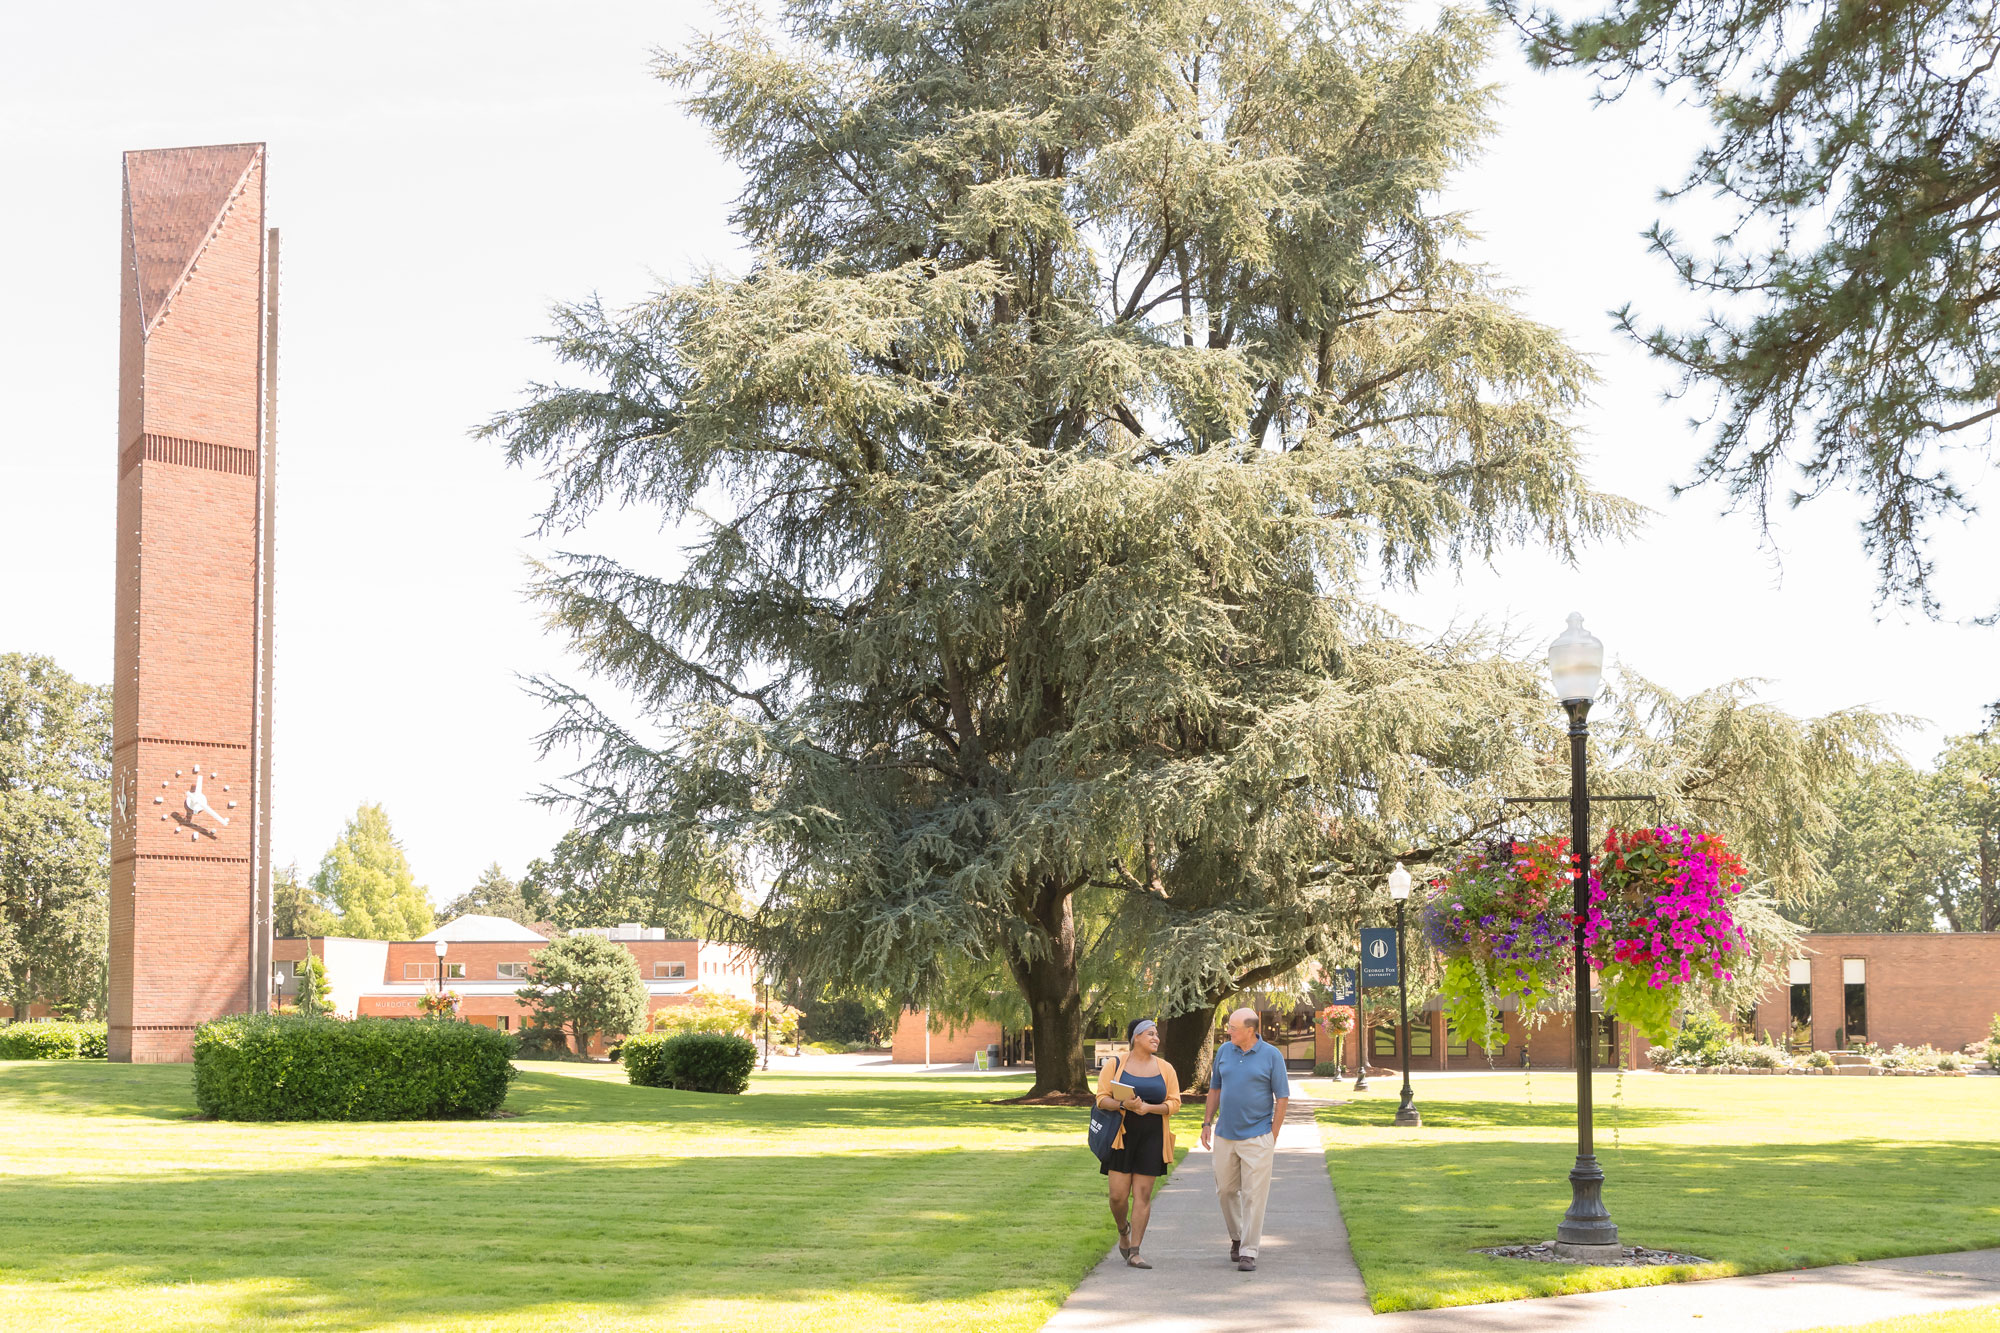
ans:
x=1604 y=1042
x=1420 y=1036
x=1854 y=976
x=1382 y=1040
x=512 y=971
x=504 y=1022
x=670 y=971
x=454 y=970
x=1453 y=1043
x=419 y=971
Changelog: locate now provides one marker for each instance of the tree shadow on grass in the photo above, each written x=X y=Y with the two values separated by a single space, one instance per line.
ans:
x=507 y=1242
x=1509 y=1115
x=1414 y=1215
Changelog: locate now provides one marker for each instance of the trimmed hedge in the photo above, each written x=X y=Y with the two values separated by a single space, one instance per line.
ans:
x=37 y=1040
x=689 y=1061
x=288 y=1067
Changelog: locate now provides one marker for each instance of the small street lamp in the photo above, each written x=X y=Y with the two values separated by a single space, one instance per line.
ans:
x=1399 y=889
x=440 y=947
x=764 y=985
x=1576 y=666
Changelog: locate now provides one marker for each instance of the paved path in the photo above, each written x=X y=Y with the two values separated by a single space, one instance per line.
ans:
x=1306 y=1278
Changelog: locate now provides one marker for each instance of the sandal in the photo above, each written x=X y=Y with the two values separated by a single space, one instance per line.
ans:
x=1125 y=1251
x=1133 y=1260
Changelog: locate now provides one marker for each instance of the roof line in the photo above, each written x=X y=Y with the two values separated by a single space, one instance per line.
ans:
x=214 y=226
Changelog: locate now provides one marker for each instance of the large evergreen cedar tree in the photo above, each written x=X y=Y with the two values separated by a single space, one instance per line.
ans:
x=55 y=845
x=1854 y=337
x=366 y=878
x=1100 y=359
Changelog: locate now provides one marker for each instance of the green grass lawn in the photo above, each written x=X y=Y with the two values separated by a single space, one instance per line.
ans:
x=1756 y=1174
x=1982 y=1320
x=822 y=1203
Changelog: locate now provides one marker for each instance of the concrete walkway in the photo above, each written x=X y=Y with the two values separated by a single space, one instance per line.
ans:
x=1306 y=1277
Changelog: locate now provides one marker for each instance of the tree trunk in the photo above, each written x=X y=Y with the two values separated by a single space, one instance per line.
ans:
x=1184 y=1042
x=1048 y=983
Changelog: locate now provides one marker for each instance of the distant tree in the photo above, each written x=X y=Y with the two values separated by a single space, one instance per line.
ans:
x=1853 y=338
x=587 y=880
x=55 y=854
x=366 y=877
x=1917 y=849
x=297 y=910
x=493 y=894
x=1898 y=861
x=1969 y=782
x=315 y=987
x=586 y=985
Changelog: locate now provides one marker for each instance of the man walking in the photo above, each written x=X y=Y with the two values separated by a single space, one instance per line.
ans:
x=1247 y=1093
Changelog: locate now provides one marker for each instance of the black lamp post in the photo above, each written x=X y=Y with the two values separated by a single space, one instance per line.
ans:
x=764 y=985
x=440 y=947
x=1576 y=665
x=1399 y=889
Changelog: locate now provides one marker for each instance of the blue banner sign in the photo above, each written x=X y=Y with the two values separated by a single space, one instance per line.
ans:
x=1343 y=986
x=1378 y=956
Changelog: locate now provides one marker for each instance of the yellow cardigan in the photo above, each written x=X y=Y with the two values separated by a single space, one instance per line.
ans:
x=1109 y=1075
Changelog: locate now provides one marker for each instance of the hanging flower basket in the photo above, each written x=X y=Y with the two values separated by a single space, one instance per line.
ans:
x=1658 y=922
x=1337 y=1019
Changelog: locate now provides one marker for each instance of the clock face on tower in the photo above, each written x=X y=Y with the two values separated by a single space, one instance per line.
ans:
x=196 y=804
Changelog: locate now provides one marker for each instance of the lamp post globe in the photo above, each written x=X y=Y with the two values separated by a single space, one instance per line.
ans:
x=1576 y=669
x=1399 y=890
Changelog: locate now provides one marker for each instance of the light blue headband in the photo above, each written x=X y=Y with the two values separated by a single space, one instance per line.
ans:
x=1144 y=1024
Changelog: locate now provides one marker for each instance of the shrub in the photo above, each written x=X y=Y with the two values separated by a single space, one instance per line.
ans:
x=1918 y=1057
x=1701 y=1039
x=1752 y=1055
x=1327 y=1069
x=1820 y=1060
x=538 y=1042
x=844 y=1022
x=690 y=1061
x=707 y=1013
x=53 y=1041
x=285 y=1067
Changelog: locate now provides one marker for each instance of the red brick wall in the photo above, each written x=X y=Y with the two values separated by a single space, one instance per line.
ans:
x=948 y=1046
x=1941 y=990
x=186 y=633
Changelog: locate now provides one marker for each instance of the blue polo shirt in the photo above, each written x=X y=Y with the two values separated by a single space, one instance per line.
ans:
x=1248 y=1082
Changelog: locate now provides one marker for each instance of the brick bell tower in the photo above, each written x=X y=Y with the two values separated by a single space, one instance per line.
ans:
x=191 y=710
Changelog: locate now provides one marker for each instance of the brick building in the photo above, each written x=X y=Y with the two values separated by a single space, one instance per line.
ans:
x=1941 y=990
x=486 y=960
x=191 y=662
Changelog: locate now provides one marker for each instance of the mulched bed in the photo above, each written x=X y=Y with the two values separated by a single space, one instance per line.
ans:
x=1633 y=1256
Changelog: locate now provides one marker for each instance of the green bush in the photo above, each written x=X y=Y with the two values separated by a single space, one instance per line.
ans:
x=544 y=1043
x=1328 y=1069
x=53 y=1041
x=288 y=1067
x=847 y=1023
x=689 y=1061
x=1701 y=1040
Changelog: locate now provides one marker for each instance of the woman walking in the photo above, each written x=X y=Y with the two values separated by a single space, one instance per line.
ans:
x=1149 y=1093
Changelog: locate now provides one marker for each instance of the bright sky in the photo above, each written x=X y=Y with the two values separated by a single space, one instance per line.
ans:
x=443 y=172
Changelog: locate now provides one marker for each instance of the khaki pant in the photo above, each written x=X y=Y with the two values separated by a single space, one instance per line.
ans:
x=1243 y=1185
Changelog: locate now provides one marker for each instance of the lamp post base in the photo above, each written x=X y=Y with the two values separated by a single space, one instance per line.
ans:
x=1587 y=1225
x=1589 y=1254
x=1408 y=1115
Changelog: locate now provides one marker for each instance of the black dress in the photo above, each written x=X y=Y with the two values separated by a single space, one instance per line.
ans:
x=1143 y=1151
